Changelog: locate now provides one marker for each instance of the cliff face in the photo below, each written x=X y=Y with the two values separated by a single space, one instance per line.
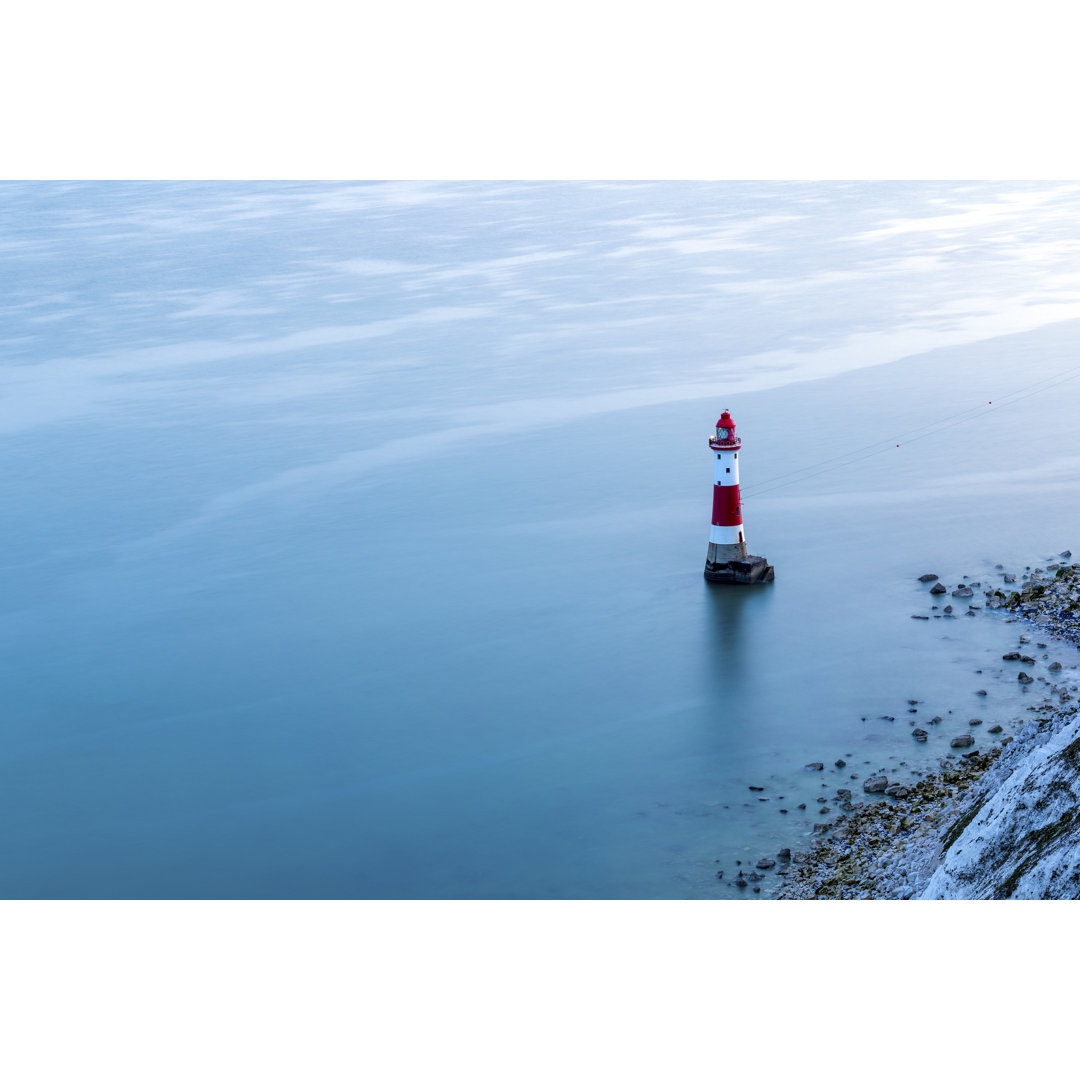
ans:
x=1020 y=836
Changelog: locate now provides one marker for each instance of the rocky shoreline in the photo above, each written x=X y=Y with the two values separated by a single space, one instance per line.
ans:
x=893 y=846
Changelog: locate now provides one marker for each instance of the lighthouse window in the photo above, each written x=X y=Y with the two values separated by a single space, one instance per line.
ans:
x=727 y=470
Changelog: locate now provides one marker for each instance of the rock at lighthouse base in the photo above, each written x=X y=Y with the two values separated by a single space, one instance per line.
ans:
x=753 y=570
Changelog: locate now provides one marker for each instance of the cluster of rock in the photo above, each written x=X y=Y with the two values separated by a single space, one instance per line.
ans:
x=886 y=849
x=1049 y=596
x=998 y=823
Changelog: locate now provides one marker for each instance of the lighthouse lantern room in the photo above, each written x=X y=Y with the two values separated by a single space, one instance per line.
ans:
x=727 y=560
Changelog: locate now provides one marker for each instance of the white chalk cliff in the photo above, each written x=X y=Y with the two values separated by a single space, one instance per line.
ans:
x=1020 y=837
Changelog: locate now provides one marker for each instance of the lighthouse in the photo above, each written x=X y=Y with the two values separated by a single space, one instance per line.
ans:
x=727 y=560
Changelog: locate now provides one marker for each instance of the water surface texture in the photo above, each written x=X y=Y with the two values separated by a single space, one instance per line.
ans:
x=355 y=533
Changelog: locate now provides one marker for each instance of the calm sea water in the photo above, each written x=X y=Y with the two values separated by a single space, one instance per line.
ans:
x=355 y=533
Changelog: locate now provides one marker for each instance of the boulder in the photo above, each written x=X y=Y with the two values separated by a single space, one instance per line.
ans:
x=815 y=766
x=963 y=592
x=897 y=791
x=1010 y=656
x=974 y=723
x=919 y=735
x=840 y=763
x=1024 y=678
x=765 y=864
x=961 y=740
x=938 y=589
x=928 y=577
x=995 y=730
x=875 y=783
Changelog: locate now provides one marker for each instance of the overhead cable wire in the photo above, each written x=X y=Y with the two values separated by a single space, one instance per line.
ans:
x=923 y=431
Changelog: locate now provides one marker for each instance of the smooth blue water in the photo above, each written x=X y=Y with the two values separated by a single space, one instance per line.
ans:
x=355 y=532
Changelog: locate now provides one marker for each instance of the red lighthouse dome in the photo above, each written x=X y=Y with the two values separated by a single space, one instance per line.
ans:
x=725 y=432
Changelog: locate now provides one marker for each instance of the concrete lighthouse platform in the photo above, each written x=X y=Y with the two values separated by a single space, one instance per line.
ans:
x=753 y=570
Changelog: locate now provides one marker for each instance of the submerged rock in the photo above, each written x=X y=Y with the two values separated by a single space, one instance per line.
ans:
x=961 y=740
x=815 y=766
x=928 y=577
x=919 y=735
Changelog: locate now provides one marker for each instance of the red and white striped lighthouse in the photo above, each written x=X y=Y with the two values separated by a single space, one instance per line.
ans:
x=727 y=560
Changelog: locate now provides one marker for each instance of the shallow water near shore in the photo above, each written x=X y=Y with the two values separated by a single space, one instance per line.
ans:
x=257 y=644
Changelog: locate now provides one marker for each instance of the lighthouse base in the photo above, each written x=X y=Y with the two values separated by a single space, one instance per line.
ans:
x=751 y=570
